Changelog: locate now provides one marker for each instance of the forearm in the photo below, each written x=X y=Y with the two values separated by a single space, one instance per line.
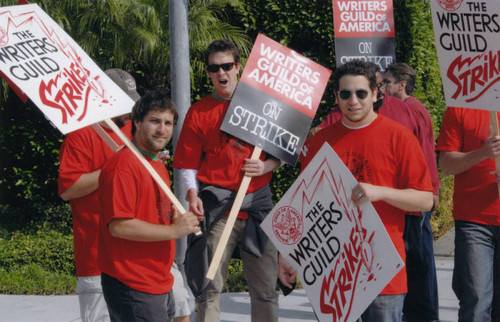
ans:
x=141 y=231
x=271 y=164
x=453 y=162
x=85 y=185
x=189 y=181
x=408 y=199
x=405 y=199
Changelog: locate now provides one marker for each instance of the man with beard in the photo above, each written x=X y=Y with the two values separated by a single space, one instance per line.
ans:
x=82 y=155
x=139 y=226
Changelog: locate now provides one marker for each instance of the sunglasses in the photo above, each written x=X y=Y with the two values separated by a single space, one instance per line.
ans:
x=382 y=84
x=214 y=68
x=360 y=93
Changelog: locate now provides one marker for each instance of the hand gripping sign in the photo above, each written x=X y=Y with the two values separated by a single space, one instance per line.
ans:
x=342 y=253
x=468 y=49
x=45 y=63
x=272 y=108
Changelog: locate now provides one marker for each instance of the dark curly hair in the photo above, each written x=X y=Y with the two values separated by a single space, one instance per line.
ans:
x=152 y=101
x=356 y=67
x=403 y=72
x=222 y=45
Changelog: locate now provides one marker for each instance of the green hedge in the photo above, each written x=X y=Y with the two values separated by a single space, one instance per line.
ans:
x=51 y=250
x=35 y=225
x=31 y=217
x=33 y=279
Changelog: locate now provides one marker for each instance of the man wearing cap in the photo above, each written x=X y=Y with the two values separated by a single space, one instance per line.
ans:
x=82 y=155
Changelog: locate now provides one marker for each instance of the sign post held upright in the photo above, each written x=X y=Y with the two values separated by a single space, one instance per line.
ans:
x=469 y=58
x=40 y=59
x=272 y=108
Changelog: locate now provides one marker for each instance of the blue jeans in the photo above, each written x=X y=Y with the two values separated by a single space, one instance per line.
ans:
x=421 y=301
x=477 y=271
x=385 y=308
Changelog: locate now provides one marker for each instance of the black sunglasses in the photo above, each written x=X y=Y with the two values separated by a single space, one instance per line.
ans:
x=382 y=84
x=214 y=68
x=360 y=93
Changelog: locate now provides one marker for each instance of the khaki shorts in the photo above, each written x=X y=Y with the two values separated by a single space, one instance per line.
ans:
x=92 y=304
x=184 y=302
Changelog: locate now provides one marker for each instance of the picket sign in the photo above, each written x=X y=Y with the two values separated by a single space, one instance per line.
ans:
x=228 y=228
x=151 y=170
x=75 y=92
x=268 y=117
x=494 y=132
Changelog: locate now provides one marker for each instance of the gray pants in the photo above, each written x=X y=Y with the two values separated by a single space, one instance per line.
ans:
x=260 y=273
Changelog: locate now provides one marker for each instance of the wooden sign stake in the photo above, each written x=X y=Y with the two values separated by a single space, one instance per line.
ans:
x=105 y=137
x=151 y=170
x=235 y=209
x=494 y=132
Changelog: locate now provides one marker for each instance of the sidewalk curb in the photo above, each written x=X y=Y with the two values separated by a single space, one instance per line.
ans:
x=445 y=245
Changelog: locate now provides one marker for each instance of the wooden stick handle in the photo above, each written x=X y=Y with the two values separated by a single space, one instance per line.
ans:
x=148 y=166
x=235 y=209
x=494 y=132
x=105 y=137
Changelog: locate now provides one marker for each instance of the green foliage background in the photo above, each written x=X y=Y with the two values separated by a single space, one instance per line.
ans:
x=35 y=225
x=29 y=145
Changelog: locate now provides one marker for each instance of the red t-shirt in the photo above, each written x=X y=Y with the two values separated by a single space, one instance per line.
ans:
x=127 y=190
x=425 y=136
x=216 y=155
x=384 y=154
x=413 y=115
x=83 y=151
x=475 y=195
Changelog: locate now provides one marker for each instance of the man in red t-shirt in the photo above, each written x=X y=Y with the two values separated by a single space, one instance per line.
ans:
x=421 y=301
x=138 y=227
x=82 y=155
x=386 y=159
x=468 y=151
x=387 y=105
x=219 y=161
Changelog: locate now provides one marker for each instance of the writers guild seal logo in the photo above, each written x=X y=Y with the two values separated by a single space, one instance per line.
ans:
x=288 y=225
x=450 y=5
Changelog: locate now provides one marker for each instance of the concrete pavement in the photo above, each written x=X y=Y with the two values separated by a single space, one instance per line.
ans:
x=235 y=306
x=443 y=255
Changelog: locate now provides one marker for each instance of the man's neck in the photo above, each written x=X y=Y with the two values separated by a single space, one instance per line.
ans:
x=149 y=154
x=404 y=96
x=363 y=125
x=220 y=98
